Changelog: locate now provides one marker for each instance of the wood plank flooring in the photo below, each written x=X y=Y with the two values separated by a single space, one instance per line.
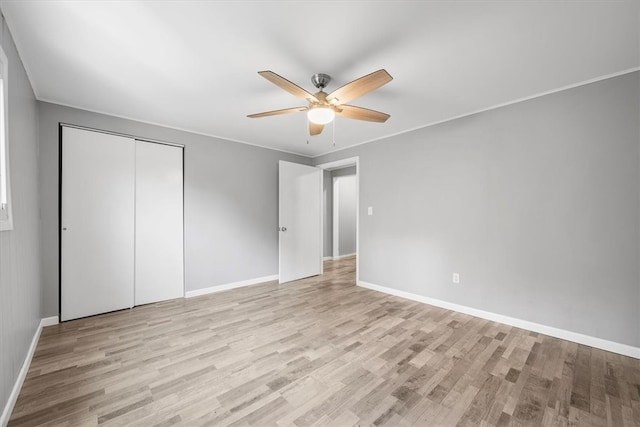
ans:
x=320 y=351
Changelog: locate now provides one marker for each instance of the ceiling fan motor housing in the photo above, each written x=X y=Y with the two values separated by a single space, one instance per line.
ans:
x=320 y=80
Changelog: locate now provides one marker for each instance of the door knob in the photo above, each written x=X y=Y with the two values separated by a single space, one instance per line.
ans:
x=283 y=228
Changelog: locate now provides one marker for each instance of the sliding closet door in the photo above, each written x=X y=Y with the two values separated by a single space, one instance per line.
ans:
x=159 y=223
x=97 y=223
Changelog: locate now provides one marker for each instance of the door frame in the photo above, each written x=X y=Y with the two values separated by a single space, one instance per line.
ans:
x=339 y=164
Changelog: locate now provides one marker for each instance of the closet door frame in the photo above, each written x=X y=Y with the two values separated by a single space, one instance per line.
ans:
x=61 y=126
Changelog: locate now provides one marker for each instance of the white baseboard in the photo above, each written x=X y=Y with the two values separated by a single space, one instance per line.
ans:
x=227 y=286
x=49 y=321
x=335 y=258
x=327 y=258
x=576 y=337
x=17 y=386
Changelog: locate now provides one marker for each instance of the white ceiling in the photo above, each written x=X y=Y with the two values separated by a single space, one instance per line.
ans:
x=193 y=64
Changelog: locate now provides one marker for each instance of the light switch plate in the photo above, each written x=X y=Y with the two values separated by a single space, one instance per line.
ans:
x=370 y=210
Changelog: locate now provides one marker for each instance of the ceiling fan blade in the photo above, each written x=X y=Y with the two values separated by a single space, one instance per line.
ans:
x=277 y=112
x=285 y=84
x=315 y=129
x=359 y=113
x=359 y=87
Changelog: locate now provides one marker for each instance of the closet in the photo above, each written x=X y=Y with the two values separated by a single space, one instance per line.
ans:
x=121 y=222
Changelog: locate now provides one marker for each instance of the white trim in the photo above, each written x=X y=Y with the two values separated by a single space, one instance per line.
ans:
x=327 y=258
x=576 y=337
x=335 y=258
x=321 y=207
x=339 y=164
x=6 y=220
x=357 y=219
x=17 y=386
x=49 y=321
x=335 y=224
x=228 y=286
x=492 y=107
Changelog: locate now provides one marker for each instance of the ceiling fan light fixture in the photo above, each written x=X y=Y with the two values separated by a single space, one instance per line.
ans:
x=321 y=115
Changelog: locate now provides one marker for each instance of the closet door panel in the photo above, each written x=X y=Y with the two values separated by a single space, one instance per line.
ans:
x=97 y=221
x=159 y=223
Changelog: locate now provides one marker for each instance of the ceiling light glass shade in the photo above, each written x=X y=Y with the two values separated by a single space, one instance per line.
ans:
x=321 y=115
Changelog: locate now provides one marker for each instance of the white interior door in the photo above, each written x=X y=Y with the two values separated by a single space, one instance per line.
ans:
x=159 y=223
x=97 y=220
x=299 y=203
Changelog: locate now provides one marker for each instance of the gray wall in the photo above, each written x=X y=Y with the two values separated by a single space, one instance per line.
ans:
x=536 y=205
x=327 y=210
x=231 y=201
x=347 y=211
x=19 y=248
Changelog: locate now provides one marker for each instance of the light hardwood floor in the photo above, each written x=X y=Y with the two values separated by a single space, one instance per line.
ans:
x=320 y=351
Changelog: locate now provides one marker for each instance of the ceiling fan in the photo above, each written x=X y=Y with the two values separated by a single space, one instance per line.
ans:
x=324 y=107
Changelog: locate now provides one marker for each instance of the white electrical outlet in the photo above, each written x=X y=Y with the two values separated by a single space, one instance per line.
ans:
x=456 y=278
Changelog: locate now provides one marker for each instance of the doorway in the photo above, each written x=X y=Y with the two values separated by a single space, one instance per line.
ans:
x=340 y=210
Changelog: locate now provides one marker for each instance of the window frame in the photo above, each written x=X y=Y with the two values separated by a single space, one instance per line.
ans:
x=6 y=213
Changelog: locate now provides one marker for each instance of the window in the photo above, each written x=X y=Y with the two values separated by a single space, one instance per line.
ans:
x=6 y=220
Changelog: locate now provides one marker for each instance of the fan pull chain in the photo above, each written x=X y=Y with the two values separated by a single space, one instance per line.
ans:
x=306 y=130
x=334 y=133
